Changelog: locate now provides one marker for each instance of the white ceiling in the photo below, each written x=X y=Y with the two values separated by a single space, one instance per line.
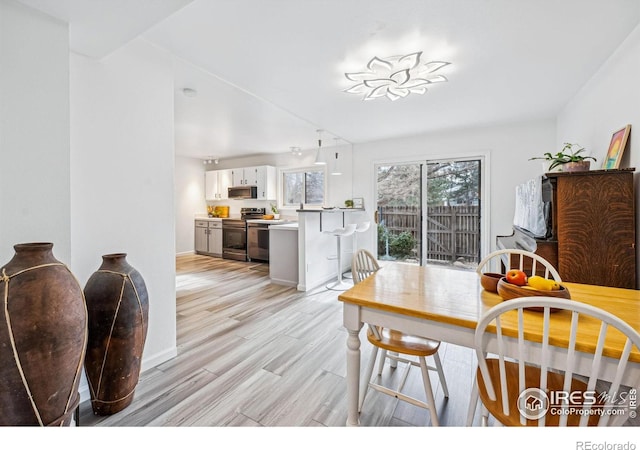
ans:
x=269 y=73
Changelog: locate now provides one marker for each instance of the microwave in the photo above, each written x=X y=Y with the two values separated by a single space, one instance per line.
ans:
x=239 y=192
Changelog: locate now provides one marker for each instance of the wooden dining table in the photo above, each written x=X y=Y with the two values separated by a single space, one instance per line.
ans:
x=446 y=304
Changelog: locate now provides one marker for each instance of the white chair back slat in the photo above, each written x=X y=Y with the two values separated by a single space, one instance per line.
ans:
x=522 y=256
x=501 y=365
x=614 y=389
x=521 y=357
x=543 y=358
x=364 y=264
x=571 y=362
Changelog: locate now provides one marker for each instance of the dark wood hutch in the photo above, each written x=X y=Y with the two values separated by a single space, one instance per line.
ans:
x=593 y=233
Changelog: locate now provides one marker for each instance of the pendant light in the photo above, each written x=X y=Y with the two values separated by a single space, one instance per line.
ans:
x=319 y=159
x=335 y=169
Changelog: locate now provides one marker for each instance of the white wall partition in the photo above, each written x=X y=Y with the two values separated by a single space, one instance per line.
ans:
x=190 y=200
x=34 y=131
x=122 y=166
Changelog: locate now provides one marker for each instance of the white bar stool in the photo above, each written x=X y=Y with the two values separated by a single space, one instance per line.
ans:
x=360 y=228
x=339 y=284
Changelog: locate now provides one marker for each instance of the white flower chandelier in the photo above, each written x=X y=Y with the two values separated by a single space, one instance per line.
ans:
x=395 y=77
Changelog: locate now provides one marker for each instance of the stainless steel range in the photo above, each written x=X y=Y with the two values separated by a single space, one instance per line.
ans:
x=234 y=233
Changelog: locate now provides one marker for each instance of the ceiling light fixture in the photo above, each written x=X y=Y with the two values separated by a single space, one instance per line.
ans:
x=335 y=170
x=395 y=77
x=210 y=160
x=319 y=159
x=296 y=151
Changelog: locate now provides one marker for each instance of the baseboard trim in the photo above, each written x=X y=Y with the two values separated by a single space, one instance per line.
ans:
x=147 y=364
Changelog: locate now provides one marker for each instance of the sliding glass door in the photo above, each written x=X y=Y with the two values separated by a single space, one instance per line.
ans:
x=428 y=212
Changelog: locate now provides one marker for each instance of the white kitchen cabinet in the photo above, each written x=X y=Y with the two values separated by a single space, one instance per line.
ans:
x=211 y=185
x=216 y=184
x=215 y=239
x=208 y=237
x=283 y=254
x=201 y=236
x=263 y=177
x=224 y=182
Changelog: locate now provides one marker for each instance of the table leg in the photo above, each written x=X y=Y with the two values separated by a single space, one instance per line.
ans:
x=353 y=377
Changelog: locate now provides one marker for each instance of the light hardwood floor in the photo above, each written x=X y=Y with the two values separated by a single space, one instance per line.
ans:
x=251 y=353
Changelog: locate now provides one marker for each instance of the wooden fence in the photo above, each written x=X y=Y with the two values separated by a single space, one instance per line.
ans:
x=453 y=232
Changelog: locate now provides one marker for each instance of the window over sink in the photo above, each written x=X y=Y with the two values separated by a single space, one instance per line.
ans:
x=303 y=185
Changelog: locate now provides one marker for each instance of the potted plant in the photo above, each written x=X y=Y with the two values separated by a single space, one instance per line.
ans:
x=569 y=159
x=274 y=210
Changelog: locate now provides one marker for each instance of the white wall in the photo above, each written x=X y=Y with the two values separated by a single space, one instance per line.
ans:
x=506 y=147
x=34 y=131
x=190 y=200
x=122 y=164
x=609 y=101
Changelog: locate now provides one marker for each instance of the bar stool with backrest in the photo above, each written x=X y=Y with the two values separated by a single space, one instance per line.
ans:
x=394 y=345
x=360 y=228
x=339 y=233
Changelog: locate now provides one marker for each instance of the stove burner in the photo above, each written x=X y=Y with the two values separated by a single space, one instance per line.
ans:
x=252 y=213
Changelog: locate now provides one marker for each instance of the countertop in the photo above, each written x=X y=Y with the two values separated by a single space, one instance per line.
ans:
x=269 y=221
x=329 y=210
x=209 y=219
x=291 y=226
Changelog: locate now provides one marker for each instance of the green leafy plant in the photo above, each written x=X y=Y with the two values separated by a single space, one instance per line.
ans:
x=274 y=208
x=401 y=245
x=348 y=203
x=569 y=153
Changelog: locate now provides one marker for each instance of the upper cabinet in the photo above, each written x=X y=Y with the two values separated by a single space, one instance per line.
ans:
x=263 y=177
x=216 y=184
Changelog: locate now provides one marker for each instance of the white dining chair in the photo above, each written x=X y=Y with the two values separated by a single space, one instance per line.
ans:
x=397 y=347
x=529 y=262
x=519 y=384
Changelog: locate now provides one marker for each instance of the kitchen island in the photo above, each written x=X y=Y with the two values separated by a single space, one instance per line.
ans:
x=317 y=246
x=283 y=254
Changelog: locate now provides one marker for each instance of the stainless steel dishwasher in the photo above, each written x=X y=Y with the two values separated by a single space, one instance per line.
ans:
x=258 y=241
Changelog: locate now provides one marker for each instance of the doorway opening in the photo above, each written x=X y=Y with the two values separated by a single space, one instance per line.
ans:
x=429 y=212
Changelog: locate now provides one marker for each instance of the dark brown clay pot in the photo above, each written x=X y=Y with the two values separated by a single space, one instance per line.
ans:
x=118 y=307
x=43 y=334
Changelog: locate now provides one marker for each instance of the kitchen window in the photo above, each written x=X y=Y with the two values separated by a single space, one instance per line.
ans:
x=304 y=185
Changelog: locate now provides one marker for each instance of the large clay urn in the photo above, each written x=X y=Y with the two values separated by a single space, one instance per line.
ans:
x=118 y=307
x=43 y=333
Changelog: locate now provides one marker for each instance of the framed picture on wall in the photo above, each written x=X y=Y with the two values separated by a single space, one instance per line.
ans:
x=358 y=202
x=616 y=148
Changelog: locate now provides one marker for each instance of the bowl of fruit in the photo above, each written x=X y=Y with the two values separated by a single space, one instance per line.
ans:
x=516 y=284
